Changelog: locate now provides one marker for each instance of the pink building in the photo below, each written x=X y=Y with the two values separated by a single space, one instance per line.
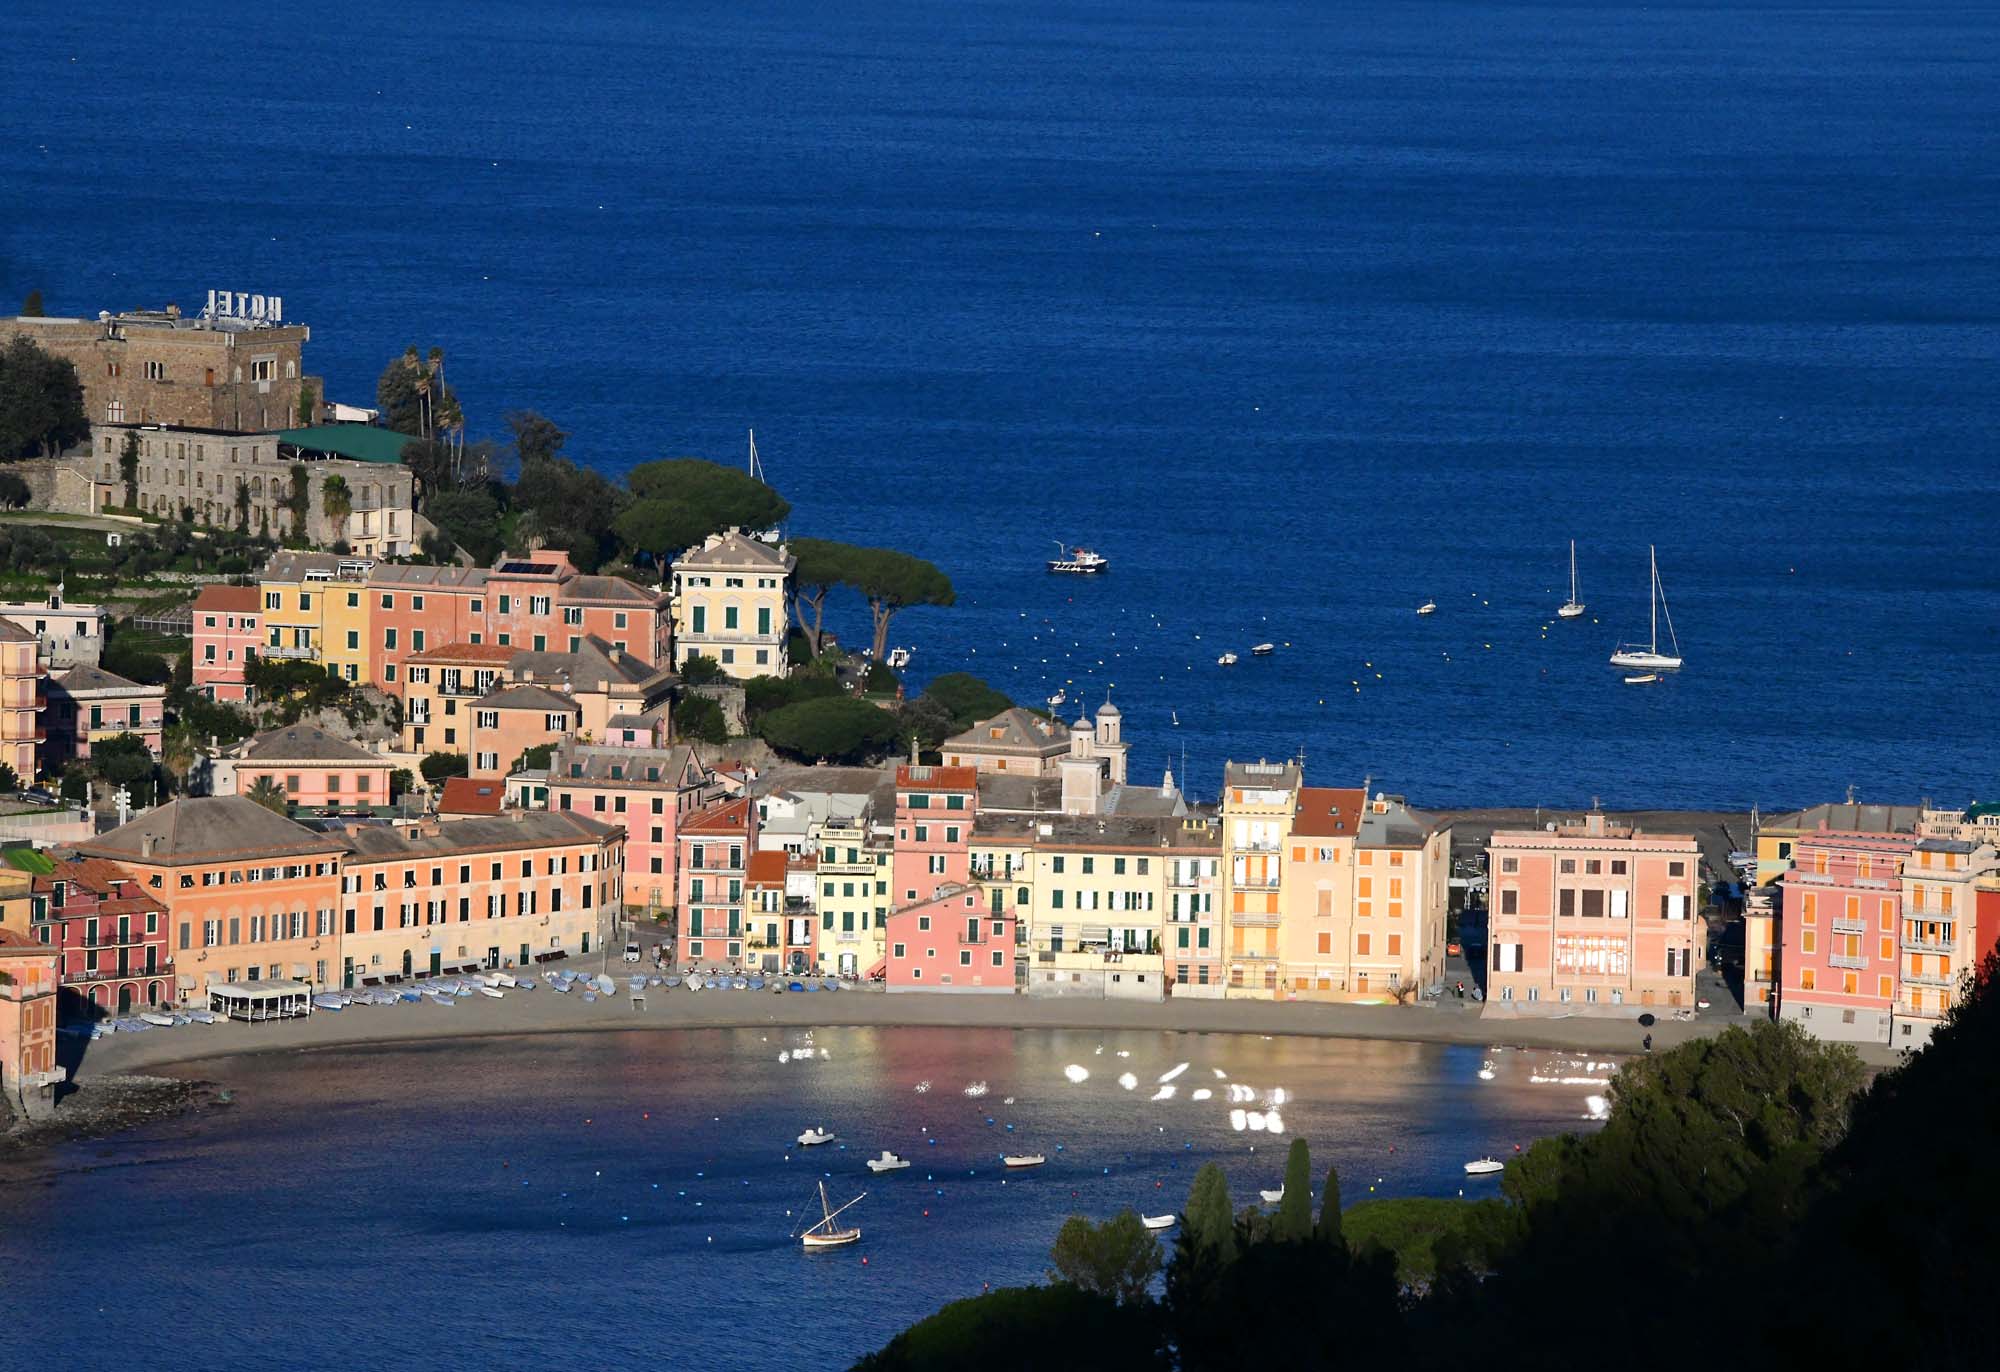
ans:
x=317 y=771
x=935 y=807
x=226 y=632
x=20 y=700
x=648 y=790
x=715 y=847
x=86 y=704
x=1595 y=914
x=951 y=943
x=412 y=610
x=508 y=722
x=1840 y=915
x=110 y=934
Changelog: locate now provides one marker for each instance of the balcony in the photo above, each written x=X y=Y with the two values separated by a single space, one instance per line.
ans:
x=1250 y=955
x=273 y=650
x=1930 y=978
x=1258 y=921
x=972 y=940
x=1255 y=883
x=1856 y=961
x=1843 y=925
x=1255 y=845
x=1914 y=944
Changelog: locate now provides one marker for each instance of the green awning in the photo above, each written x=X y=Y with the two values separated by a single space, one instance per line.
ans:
x=361 y=442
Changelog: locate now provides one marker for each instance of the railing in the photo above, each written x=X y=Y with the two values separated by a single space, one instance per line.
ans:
x=1915 y=944
x=1255 y=883
x=1930 y=978
x=1248 y=955
x=274 y=651
x=972 y=939
x=1255 y=845
x=1857 y=961
x=1843 y=925
x=1258 y=921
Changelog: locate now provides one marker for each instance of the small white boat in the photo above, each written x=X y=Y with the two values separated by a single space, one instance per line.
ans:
x=1429 y=607
x=812 y=1138
x=888 y=1162
x=1157 y=1222
x=1058 y=700
x=606 y=986
x=1486 y=1070
x=1017 y=1161
x=1642 y=679
x=899 y=658
x=1077 y=561
x=1649 y=658
x=822 y=1233
x=1226 y=660
x=1571 y=608
x=490 y=991
x=1272 y=1197
x=155 y=1018
x=324 y=1003
x=1484 y=1167
x=1263 y=649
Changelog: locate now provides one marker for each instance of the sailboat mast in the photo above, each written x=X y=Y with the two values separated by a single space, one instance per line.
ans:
x=1653 y=594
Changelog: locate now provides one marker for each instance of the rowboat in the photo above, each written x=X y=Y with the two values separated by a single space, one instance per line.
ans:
x=1272 y=1197
x=329 y=1003
x=1157 y=1222
x=490 y=991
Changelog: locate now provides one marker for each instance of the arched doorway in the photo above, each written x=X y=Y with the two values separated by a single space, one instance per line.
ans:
x=406 y=962
x=125 y=999
x=152 y=993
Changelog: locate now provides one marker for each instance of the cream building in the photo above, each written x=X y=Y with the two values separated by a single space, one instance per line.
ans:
x=1259 y=801
x=1018 y=742
x=729 y=604
x=852 y=894
x=1365 y=895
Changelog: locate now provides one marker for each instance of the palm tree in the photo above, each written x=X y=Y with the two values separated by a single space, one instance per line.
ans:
x=338 y=502
x=270 y=795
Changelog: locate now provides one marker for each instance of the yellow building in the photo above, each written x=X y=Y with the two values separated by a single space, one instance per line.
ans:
x=17 y=900
x=729 y=604
x=295 y=589
x=1259 y=801
x=852 y=896
x=344 y=626
x=1760 y=944
x=1104 y=890
x=1778 y=834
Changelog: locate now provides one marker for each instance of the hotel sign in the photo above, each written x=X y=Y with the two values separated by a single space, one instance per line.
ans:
x=266 y=309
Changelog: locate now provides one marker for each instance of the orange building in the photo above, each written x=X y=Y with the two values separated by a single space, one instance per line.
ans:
x=1840 y=916
x=439 y=686
x=251 y=896
x=28 y=989
x=415 y=609
x=509 y=721
x=20 y=699
x=1259 y=801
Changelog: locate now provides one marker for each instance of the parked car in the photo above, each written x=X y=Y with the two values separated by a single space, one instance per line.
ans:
x=38 y=796
x=631 y=952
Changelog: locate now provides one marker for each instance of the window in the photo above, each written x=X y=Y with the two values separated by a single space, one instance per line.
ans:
x=1510 y=902
x=1510 y=864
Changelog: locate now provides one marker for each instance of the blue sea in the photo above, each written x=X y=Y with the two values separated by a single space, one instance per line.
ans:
x=627 y=1200
x=1304 y=314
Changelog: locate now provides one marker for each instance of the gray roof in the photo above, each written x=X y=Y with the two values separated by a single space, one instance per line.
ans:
x=733 y=551
x=594 y=666
x=477 y=833
x=208 y=829
x=822 y=781
x=417 y=578
x=1398 y=827
x=1021 y=795
x=300 y=743
x=1194 y=831
x=1021 y=731
x=293 y=566
x=10 y=632
x=1143 y=801
x=1269 y=776
x=1842 y=817
x=526 y=698
x=85 y=679
x=609 y=589
x=1946 y=845
x=576 y=763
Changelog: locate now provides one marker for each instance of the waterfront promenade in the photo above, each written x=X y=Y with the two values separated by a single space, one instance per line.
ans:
x=544 y=1011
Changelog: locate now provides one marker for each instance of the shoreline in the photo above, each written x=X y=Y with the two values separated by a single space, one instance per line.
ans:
x=544 y=1011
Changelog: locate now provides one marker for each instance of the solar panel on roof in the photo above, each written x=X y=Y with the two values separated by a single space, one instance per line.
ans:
x=527 y=568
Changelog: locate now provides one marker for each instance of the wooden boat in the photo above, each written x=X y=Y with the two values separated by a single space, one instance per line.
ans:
x=1484 y=1167
x=822 y=1233
x=1642 y=679
x=888 y=1162
x=813 y=1138
x=1019 y=1161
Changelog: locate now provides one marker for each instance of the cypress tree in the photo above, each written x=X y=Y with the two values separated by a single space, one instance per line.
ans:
x=1293 y=1222
x=1211 y=1224
x=1329 y=1209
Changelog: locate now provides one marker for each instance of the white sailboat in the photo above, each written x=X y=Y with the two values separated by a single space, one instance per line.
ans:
x=1650 y=658
x=821 y=1233
x=1571 y=608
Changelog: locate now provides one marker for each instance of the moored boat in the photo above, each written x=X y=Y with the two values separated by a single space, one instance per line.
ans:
x=1484 y=1167
x=888 y=1162
x=1157 y=1222
x=1263 y=649
x=812 y=1138
x=1649 y=658
x=1018 y=1161
x=1078 y=561
x=823 y=1233
x=1226 y=660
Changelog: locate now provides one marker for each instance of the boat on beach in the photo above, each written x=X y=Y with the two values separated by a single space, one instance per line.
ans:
x=822 y=1233
x=155 y=1018
x=888 y=1162
x=329 y=1003
x=493 y=992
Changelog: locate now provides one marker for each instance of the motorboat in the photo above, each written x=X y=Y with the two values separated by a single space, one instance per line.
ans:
x=888 y=1162
x=1059 y=699
x=1157 y=1222
x=899 y=658
x=1078 y=561
x=1649 y=657
x=822 y=1233
x=1226 y=660
x=1263 y=649
x=1484 y=1167
x=1018 y=1161
x=812 y=1138
x=1571 y=608
x=1429 y=607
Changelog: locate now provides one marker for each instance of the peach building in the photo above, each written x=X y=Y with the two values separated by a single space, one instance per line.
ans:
x=541 y=603
x=1316 y=943
x=1593 y=914
x=510 y=721
x=1942 y=943
x=715 y=847
x=1014 y=741
x=88 y=704
x=226 y=630
x=935 y=808
x=318 y=772
x=608 y=684
x=1841 y=916
x=439 y=686
x=20 y=700
x=415 y=609
x=1193 y=932
x=496 y=891
x=1259 y=801
x=28 y=991
x=250 y=895
x=765 y=936
x=950 y=942
x=649 y=791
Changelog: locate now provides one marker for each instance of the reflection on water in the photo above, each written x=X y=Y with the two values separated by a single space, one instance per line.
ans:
x=513 y=1200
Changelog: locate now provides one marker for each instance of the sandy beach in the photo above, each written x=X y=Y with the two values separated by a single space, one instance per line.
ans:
x=543 y=1011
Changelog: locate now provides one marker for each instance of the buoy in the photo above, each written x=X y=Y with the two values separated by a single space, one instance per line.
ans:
x=864 y=1262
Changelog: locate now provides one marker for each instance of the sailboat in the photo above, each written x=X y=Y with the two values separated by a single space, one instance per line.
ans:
x=1650 y=658
x=822 y=1233
x=1571 y=608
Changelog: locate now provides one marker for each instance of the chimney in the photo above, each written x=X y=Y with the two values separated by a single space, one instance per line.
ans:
x=146 y=843
x=913 y=750
x=1593 y=824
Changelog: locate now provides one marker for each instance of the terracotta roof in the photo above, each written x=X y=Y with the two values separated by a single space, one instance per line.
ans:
x=937 y=778
x=85 y=678
x=766 y=868
x=233 y=600
x=609 y=589
x=10 y=632
x=465 y=654
x=465 y=796
x=15 y=943
x=728 y=818
x=1328 y=812
x=100 y=875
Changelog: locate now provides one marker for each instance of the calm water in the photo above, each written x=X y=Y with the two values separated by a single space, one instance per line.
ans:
x=515 y=1202
x=1303 y=313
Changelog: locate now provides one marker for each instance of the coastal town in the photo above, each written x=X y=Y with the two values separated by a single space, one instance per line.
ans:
x=523 y=803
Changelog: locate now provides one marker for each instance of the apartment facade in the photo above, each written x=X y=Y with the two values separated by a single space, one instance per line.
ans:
x=20 y=700
x=29 y=985
x=506 y=723
x=1017 y=742
x=110 y=936
x=85 y=705
x=729 y=603
x=1259 y=802
x=950 y=943
x=651 y=792
x=439 y=687
x=1593 y=915
x=227 y=629
x=71 y=635
x=935 y=811
x=319 y=773
x=1838 y=942
x=1943 y=942
x=715 y=847
x=852 y=902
